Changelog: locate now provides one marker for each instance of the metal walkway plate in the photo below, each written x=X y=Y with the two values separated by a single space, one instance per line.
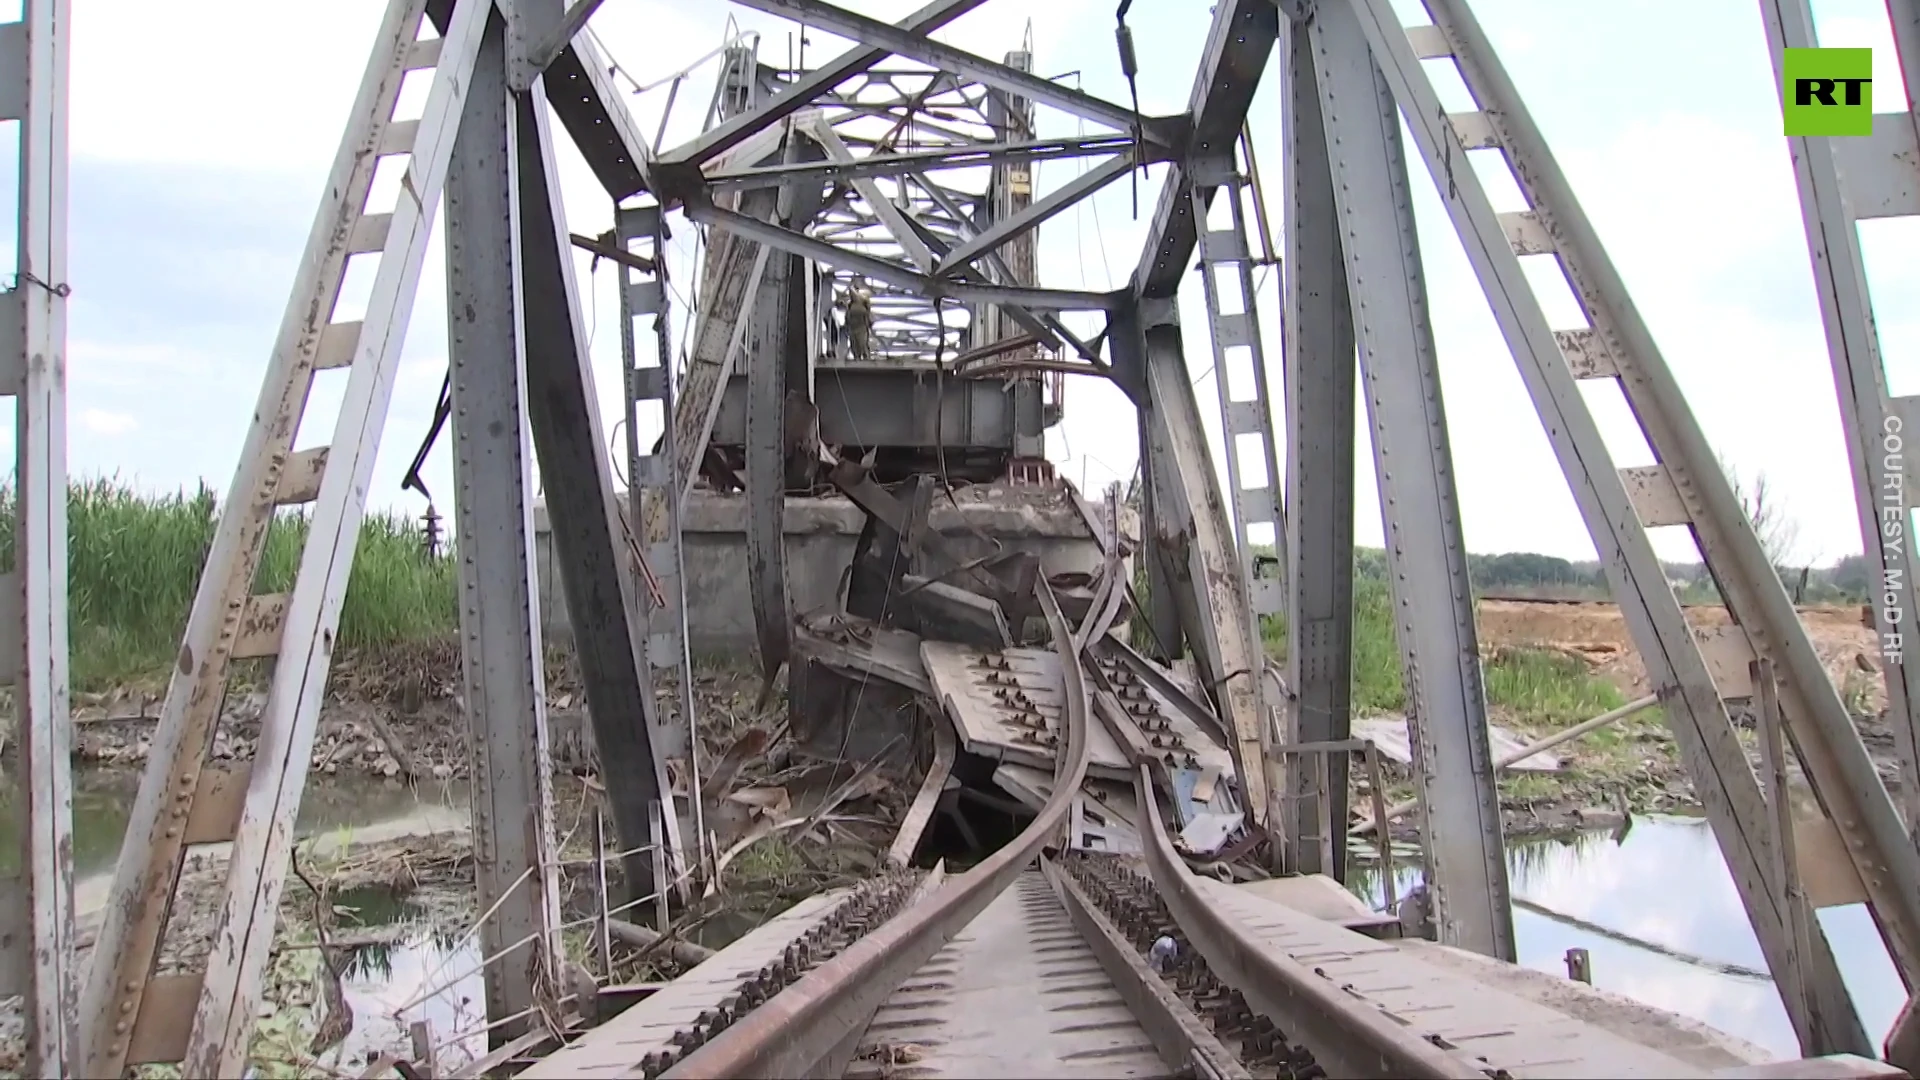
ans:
x=617 y=1047
x=1528 y=1040
x=1017 y=993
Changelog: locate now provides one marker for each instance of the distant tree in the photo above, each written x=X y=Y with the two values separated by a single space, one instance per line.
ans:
x=1779 y=533
x=1524 y=568
x=1370 y=563
x=1851 y=576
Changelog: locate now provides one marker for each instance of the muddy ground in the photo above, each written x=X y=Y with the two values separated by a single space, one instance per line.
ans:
x=1634 y=767
x=398 y=715
x=1597 y=633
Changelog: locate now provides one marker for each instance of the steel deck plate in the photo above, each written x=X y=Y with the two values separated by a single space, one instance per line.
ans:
x=1526 y=1039
x=1017 y=993
x=617 y=1047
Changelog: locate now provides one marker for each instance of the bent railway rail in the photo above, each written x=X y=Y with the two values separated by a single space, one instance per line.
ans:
x=799 y=1030
x=1092 y=965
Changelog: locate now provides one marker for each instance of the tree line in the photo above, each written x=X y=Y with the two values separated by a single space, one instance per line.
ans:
x=1525 y=572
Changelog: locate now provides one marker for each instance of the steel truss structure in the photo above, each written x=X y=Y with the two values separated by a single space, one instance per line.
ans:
x=36 y=904
x=801 y=176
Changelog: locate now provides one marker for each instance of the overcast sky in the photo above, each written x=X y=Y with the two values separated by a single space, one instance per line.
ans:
x=200 y=145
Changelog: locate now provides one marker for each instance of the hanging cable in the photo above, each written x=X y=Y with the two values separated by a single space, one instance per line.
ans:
x=1130 y=67
x=441 y=411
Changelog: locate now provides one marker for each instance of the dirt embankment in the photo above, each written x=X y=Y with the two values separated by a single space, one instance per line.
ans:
x=1634 y=766
x=1598 y=634
x=399 y=714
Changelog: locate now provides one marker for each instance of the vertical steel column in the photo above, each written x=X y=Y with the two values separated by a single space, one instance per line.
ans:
x=1320 y=364
x=1168 y=641
x=658 y=480
x=1841 y=182
x=655 y=475
x=767 y=443
x=1426 y=557
x=36 y=913
x=662 y=603
x=589 y=537
x=1011 y=191
x=502 y=660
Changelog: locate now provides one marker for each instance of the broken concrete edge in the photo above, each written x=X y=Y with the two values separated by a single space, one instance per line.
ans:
x=821 y=536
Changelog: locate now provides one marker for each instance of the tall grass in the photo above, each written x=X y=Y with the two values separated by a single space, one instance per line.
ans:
x=134 y=562
x=1540 y=688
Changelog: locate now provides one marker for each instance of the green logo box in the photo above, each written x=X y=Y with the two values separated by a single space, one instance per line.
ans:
x=1827 y=91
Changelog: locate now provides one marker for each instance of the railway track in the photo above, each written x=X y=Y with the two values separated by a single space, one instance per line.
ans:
x=1044 y=962
x=1003 y=970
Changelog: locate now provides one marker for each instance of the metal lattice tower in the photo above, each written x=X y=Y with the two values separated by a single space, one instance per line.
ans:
x=37 y=959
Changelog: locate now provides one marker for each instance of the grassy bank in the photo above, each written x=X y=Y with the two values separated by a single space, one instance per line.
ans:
x=1536 y=687
x=134 y=561
x=1534 y=692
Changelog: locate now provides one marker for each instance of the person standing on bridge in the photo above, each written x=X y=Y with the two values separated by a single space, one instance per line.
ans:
x=859 y=320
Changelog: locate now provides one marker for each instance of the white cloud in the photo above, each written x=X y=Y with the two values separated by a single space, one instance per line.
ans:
x=1687 y=182
x=102 y=422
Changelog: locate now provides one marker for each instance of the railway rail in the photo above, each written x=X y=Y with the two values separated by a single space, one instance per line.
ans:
x=1046 y=961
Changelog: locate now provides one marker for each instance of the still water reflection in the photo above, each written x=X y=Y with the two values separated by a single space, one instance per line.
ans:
x=427 y=974
x=103 y=802
x=434 y=974
x=1658 y=912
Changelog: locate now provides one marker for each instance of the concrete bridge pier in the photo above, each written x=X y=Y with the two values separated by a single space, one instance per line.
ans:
x=820 y=535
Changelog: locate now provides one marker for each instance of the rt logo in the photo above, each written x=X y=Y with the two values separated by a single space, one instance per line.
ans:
x=1828 y=91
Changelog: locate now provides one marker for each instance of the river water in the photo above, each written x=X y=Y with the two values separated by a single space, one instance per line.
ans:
x=1653 y=905
x=425 y=974
x=1657 y=912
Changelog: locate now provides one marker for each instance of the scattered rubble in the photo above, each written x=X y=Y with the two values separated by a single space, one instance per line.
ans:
x=396 y=714
x=950 y=657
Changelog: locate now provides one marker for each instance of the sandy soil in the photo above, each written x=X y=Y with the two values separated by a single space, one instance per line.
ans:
x=1598 y=633
x=1637 y=769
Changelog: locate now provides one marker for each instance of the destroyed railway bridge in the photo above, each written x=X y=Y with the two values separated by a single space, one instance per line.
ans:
x=813 y=180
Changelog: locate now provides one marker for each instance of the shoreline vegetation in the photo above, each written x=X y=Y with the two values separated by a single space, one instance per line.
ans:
x=135 y=559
